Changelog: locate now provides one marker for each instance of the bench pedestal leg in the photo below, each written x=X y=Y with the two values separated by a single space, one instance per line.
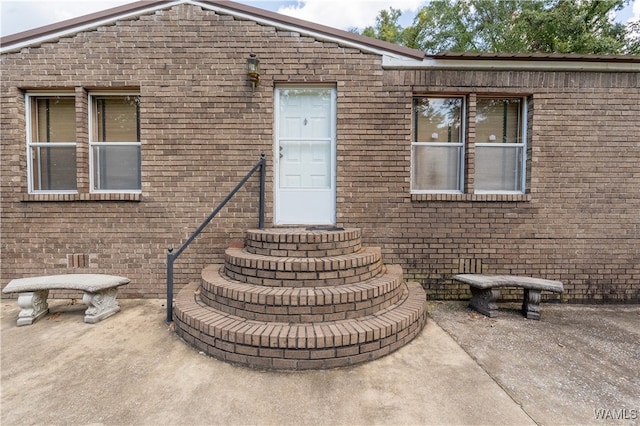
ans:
x=484 y=300
x=102 y=304
x=531 y=304
x=33 y=305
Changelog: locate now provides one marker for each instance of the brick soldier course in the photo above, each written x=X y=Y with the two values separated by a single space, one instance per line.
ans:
x=202 y=127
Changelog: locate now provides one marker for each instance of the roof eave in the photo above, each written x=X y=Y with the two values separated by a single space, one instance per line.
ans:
x=334 y=34
x=71 y=25
x=599 y=64
x=50 y=32
x=394 y=56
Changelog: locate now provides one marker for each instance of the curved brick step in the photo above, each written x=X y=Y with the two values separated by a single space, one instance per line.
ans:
x=278 y=345
x=302 y=242
x=274 y=271
x=301 y=304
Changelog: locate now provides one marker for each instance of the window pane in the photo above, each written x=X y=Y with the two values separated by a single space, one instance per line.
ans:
x=116 y=167
x=438 y=119
x=498 y=168
x=436 y=168
x=115 y=143
x=54 y=120
x=438 y=122
x=499 y=121
x=116 y=119
x=53 y=168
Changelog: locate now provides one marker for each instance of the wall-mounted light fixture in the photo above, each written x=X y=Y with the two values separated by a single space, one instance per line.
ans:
x=253 y=70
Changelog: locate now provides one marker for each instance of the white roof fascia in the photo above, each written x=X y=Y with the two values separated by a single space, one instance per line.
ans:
x=83 y=27
x=510 y=65
x=310 y=33
x=232 y=12
x=393 y=61
x=390 y=60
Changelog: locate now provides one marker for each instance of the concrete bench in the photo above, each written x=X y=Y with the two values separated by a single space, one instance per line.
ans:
x=485 y=291
x=99 y=294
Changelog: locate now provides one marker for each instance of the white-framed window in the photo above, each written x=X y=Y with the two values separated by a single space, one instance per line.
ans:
x=51 y=142
x=500 y=160
x=114 y=142
x=437 y=150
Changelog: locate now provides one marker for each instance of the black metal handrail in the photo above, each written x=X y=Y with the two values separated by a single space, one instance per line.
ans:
x=171 y=256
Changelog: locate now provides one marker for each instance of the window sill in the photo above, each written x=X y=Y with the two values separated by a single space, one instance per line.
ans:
x=472 y=197
x=82 y=197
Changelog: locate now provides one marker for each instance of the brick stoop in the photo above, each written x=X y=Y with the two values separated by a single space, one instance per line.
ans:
x=277 y=271
x=296 y=304
x=298 y=346
x=313 y=318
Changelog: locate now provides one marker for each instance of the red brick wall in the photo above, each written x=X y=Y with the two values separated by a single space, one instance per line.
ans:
x=203 y=128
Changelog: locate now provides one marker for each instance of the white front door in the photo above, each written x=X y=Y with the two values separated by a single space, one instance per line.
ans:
x=305 y=146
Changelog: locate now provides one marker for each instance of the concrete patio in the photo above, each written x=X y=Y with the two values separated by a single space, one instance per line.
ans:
x=575 y=366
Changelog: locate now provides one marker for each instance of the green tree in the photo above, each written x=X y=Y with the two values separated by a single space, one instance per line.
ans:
x=578 y=27
x=387 y=27
x=549 y=26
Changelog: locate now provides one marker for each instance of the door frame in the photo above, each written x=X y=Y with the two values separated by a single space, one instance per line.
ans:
x=277 y=220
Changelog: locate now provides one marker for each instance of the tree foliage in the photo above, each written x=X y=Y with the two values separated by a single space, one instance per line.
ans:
x=512 y=26
x=387 y=27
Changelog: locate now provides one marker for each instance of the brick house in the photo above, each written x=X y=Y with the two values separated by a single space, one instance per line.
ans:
x=122 y=130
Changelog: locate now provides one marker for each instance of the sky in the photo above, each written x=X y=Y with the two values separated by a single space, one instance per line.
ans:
x=22 y=15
